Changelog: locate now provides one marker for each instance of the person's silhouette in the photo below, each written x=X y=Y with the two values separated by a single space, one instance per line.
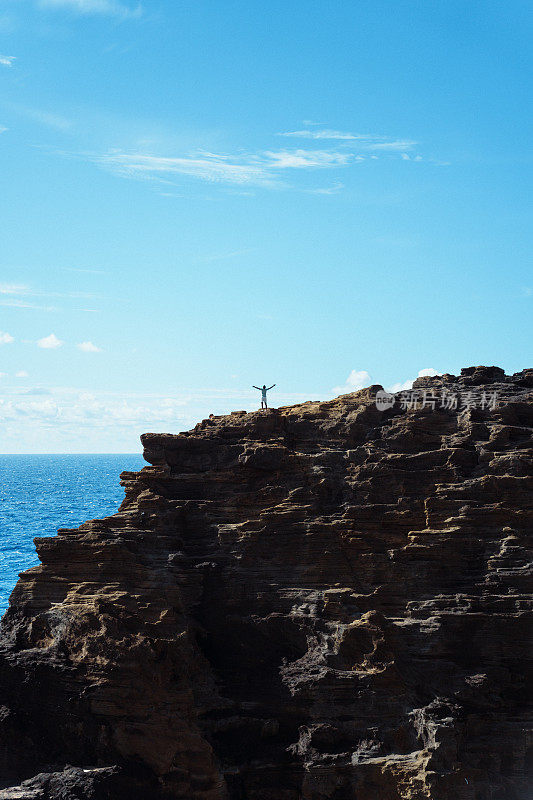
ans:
x=264 y=389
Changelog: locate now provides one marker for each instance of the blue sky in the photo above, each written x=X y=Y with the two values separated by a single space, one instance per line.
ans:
x=201 y=196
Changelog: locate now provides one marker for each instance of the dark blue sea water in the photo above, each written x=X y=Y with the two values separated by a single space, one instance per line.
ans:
x=39 y=494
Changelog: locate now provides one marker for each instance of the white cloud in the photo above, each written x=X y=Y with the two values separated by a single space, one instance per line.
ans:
x=18 y=295
x=367 y=141
x=17 y=303
x=357 y=379
x=3 y=374
x=335 y=189
x=401 y=387
x=296 y=159
x=401 y=144
x=77 y=408
x=6 y=338
x=15 y=409
x=325 y=133
x=243 y=169
x=207 y=166
x=21 y=374
x=7 y=61
x=14 y=288
x=88 y=347
x=111 y=8
x=255 y=169
x=406 y=385
x=49 y=342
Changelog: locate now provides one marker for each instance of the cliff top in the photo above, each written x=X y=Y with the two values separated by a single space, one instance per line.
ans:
x=340 y=415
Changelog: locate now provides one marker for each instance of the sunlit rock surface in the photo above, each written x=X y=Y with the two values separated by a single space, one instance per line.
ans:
x=317 y=602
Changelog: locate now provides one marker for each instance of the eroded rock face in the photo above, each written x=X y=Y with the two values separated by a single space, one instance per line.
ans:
x=318 y=602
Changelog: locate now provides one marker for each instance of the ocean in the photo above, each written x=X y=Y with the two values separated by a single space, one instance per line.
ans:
x=41 y=493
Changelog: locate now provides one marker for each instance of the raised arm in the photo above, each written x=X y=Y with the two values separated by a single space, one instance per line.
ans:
x=256 y=387
x=271 y=387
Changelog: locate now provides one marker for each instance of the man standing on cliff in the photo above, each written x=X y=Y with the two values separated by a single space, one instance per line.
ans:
x=264 y=391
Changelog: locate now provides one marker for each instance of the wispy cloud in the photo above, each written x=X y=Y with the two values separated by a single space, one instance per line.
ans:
x=268 y=168
x=7 y=61
x=50 y=342
x=15 y=295
x=334 y=189
x=207 y=167
x=48 y=118
x=305 y=159
x=112 y=8
x=14 y=288
x=255 y=169
x=365 y=141
x=324 y=133
x=88 y=271
x=19 y=295
x=92 y=411
x=88 y=347
x=17 y=303
x=394 y=145
x=6 y=338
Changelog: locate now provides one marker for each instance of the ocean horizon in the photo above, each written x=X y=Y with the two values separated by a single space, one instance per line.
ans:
x=42 y=492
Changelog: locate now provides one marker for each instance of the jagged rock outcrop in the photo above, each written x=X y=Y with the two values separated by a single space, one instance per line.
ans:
x=319 y=602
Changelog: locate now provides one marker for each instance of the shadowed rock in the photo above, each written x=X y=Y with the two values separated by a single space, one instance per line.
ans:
x=318 y=602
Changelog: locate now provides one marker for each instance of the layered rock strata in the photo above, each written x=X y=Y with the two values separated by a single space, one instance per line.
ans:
x=318 y=602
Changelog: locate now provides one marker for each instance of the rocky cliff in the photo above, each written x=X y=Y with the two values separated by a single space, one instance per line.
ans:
x=319 y=602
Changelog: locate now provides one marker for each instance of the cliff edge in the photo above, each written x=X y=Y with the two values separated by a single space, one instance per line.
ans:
x=319 y=602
